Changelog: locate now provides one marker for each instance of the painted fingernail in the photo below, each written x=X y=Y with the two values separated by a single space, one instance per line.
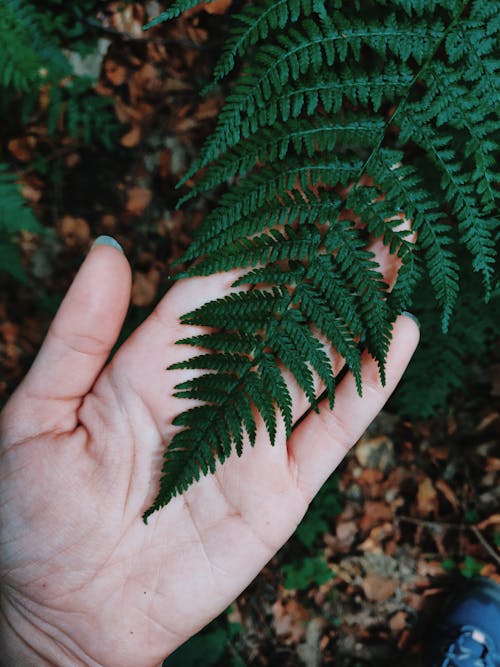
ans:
x=107 y=240
x=412 y=317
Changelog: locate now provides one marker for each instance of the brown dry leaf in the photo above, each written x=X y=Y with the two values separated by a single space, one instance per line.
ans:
x=132 y=137
x=218 y=6
x=426 y=568
x=346 y=533
x=115 y=73
x=74 y=231
x=138 y=199
x=492 y=520
x=127 y=19
x=398 y=622
x=290 y=620
x=144 y=287
x=209 y=108
x=374 y=511
x=492 y=464
x=375 y=452
x=20 y=148
x=427 y=498
x=373 y=543
x=439 y=453
x=487 y=421
x=172 y=85
x=448 y=493
x=145 y=80
x=125 y=113
x=30 y=193
x=377 y=588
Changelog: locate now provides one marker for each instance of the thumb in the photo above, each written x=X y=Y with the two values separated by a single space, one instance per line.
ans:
x=80 y=338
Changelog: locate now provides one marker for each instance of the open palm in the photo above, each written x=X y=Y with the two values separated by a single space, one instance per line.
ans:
x=83 y=580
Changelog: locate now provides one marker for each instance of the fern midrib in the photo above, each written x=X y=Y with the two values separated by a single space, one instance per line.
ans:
x=342 y=85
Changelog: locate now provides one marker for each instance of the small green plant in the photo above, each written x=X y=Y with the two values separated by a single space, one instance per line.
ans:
x=310 y=570
x=15 y=216
x=32 y=60
x=211 y=646
x=339 y=109
x=325 y=506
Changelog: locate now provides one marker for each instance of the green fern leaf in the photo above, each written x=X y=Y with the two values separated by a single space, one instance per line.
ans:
x=340 y=125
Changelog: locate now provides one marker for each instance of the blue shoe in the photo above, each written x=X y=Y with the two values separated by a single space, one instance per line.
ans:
x=469 y=633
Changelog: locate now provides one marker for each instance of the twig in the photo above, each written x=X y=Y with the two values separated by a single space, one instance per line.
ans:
x=438 y=525
x=94 y=23
x=485 y=544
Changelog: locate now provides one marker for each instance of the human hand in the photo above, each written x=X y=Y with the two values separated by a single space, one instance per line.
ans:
x=83 y=581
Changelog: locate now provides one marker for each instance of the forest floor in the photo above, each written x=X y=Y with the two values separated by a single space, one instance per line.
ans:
x=414 y=507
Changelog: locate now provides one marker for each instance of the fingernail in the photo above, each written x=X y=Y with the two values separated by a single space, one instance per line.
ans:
x=107 y=240
x=412 y=317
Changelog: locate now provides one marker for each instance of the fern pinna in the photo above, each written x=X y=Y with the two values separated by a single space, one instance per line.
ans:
x=396 y=100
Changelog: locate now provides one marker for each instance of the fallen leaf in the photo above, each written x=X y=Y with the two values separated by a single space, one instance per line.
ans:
x=20 y=149
x=74 y=231
x=144 y=287
x=448 y=493
x=374 y=512
x=218 y=6
x=290 y=620
x=115 y=73
x=375 y=452
x=398 y=622
x=427 y=497
x=346 y=533
x=494 y=519
x=138 y=199
x=377 y=588
x=132 y=137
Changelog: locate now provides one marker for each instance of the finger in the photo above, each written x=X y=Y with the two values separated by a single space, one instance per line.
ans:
x=81 y=336
x=321 y=441
x=151 y=348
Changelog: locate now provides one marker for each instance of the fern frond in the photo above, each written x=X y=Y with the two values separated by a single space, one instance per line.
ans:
x=287 y=209
x=304 y=52
x=405 y=191
x=27 y=57
x=256 y=23
x=177 y=8
x=442 y=361
x=340 y=125
x=261 y=188
x=301 y=136
x=476 y=228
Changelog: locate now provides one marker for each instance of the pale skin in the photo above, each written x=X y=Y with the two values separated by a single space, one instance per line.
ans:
x=83 y=580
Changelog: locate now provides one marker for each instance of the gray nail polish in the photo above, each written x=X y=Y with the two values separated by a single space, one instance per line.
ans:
x=412 y=317
x=107 y=240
